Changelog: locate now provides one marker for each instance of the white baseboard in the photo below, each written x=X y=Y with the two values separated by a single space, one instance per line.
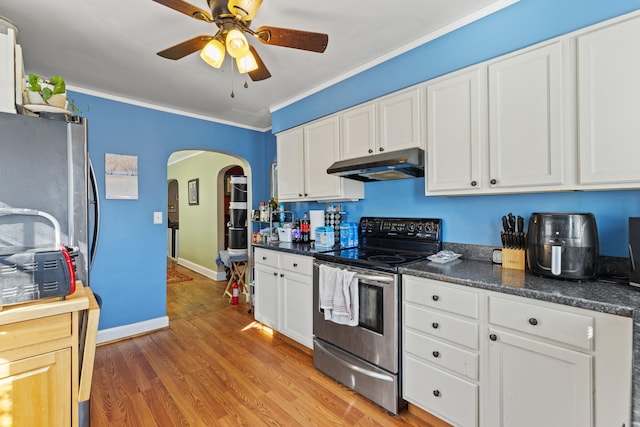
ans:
x=211 y=274
x=120 y=332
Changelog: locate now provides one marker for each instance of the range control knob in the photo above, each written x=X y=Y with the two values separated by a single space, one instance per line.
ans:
x=420 y=228
x=411 y=227
x=429 y=227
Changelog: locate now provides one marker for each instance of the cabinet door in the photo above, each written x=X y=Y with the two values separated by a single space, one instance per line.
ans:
x=533 y=384
x=290 y=165
x=526 y=119
x=266 y=294
x=37 y=391
x=321 y=150
x=358 y=130
x=609 y=104
x=297 y=302
x=399 y=120
x=456 y=128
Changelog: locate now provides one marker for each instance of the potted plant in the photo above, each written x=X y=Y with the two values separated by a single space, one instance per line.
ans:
x=53 y=92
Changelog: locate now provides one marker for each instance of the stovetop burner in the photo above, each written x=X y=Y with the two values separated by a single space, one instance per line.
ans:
x=387 y=259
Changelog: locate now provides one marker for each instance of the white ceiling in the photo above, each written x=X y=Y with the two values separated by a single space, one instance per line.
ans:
x=109 y=48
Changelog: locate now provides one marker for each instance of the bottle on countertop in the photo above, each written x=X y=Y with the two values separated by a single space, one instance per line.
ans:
x=305 y=228
x=296 y=235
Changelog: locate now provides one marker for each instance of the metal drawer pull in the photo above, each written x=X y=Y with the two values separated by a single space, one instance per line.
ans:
x=533 y=321
x=493 y=337
x=436 y=393
x=264 y=258
x=281 y=275
x=295 y=264
x=435 y=297
x=435 y=325
x=436 y=354
x=275 y=274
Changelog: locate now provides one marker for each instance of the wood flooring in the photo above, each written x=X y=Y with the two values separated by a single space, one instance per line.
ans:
x=216 y=366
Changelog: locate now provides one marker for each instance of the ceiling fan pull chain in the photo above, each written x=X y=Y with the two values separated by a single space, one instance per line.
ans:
x=233 y=95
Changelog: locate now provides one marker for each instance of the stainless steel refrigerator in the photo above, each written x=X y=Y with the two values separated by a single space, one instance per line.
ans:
x=44 y=166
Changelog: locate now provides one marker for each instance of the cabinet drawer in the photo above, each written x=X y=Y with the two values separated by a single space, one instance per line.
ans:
x=431 y=294
x=555 y=324
x=298 y=263
x=443 y=394
x=442 y=354
x=29 y=332
x=441 y=325
x=266 y=257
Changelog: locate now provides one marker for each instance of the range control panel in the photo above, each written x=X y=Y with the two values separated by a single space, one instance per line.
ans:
x=405 y=228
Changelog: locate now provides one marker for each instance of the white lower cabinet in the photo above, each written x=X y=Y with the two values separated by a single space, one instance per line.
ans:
x=534 y=363
x=284 y=294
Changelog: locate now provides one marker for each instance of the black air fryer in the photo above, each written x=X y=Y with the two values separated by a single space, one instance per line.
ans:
x=563 y=245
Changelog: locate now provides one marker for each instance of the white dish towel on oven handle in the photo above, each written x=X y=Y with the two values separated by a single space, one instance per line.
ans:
x=338 y=292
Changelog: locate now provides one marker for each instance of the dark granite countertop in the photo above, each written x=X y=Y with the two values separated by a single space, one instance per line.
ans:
x=308 y=249
x=597 y=295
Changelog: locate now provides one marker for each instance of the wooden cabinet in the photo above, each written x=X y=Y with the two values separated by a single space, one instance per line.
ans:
x=304 y=154
x=608 y=61
x=475 y=357
x=283 y=291
x=390 y=123
x=40 y=378
x=500 y=127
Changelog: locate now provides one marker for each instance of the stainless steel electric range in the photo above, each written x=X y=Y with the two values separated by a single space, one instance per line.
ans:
x=366 y=357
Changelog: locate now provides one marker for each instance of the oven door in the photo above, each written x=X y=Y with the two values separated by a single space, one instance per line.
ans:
x=375 y=339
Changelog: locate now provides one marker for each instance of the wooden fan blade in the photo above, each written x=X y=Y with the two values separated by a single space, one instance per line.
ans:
x=297 y=39
x=185 y=48
x=186 y=8
x=261 y=73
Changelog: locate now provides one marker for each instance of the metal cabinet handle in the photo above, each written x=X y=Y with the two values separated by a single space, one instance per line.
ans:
x=295 y=264
x=381 y=149
x=493 y=181
x=533 y=321
x=436 y=354
x=281 y=275
x=436 y=393
x=275 y=274
x=435 y=297
x=264 y=258
x=435 y=325
x=493 y=337
x=474 y=183
x=299 y=194
x=370 y=151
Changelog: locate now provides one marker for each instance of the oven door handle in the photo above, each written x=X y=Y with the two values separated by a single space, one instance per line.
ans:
x=373 y=278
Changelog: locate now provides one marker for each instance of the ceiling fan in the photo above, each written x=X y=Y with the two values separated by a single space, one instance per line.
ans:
x=233 y=19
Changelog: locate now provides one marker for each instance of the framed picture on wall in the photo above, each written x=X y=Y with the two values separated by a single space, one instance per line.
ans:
x=194 y=191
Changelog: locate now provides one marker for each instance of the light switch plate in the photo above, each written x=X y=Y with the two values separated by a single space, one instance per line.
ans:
x=157 y=217
x=496 y=256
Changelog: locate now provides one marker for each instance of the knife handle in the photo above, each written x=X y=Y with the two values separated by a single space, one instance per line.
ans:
x=520 y=224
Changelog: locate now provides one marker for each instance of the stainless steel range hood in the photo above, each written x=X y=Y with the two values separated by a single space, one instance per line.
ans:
x=382 y=167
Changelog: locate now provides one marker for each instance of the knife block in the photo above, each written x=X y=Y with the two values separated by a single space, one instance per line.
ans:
x=513 y=258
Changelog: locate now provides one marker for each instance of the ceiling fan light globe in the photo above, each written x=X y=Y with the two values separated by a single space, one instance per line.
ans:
x=213 y=53
x=246 y=9
x=247 y=63
x=237 y=44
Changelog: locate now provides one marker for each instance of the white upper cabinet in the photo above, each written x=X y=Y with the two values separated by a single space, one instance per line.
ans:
x=500 y=127
x=321 y=150
x=390 y=123
x=290 y=165
x=608 y=61
x=359 y=133
x=526 y=119
x=456 y=131
x=304 y=154
x=399 y=123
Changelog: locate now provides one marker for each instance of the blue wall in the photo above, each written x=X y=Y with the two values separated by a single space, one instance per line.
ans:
x=473 y=219
x=129 y=271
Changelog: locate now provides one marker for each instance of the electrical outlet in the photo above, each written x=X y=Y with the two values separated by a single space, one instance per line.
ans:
x=157 y=217
x=496 y=256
